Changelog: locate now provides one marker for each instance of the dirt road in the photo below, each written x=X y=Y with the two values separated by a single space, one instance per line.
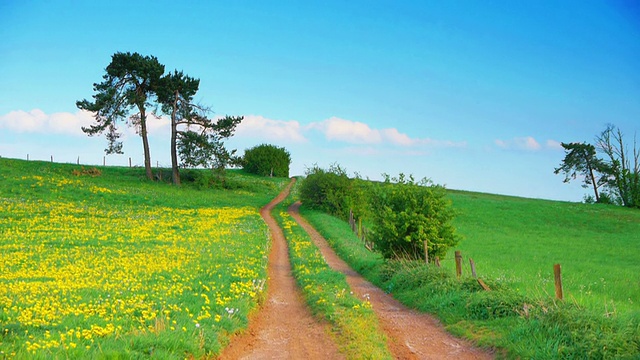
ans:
x=412 y=335
x=284 y=328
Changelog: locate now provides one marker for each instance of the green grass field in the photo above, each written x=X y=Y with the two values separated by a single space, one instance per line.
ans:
x=515 y=243
x=100 y=263
x=519 y=240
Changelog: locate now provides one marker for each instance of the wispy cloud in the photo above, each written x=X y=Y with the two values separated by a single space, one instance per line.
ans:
x=359 y=133
x=527 y=143
x=37 y=121
x=274 y=130
x=334 y=129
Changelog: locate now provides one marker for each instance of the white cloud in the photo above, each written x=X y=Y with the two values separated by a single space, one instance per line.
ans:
x=353 y=132
x=519 y=143
x=358 y=133
x=527 y=143
x=36 y=121
x=278 y=130
x=554 y=145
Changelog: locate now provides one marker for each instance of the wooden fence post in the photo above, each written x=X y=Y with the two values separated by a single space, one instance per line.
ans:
x=104 y=161
x=78 y=162
x=27 y=157
x=51 y=158
x=426 y=251
x=458 y=263
x=558 y=279
x=129 y=162
x=437 y=261
x=473 y=268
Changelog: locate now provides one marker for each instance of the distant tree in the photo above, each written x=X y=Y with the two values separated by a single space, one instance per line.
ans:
x=622 y=166
x=267 y=160
x=581 y=160
x=125 y=93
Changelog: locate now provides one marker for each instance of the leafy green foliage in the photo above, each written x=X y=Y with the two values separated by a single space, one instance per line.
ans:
x=407 y=213
x=331 y=190
x=267 y=160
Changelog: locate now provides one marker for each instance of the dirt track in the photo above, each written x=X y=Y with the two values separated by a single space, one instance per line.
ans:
x=412 y=335
x=284 y=328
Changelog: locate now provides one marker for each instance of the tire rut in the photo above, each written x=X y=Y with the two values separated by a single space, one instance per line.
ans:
x=284 y=327
x=412 y=335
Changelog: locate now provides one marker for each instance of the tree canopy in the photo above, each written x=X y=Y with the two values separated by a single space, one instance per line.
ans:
x=134 y=83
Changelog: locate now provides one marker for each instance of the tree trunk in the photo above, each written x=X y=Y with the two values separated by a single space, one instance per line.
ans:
x=175 y=173
x=145 y=143
x=595 y=186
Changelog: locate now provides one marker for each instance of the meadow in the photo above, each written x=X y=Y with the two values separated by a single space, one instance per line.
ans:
x=101 y=263
x=518 y=240
x=515 y=243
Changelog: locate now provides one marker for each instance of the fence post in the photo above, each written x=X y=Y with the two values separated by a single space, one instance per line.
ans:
x=558 y=279
x=104 y=161
x=473 y=268
x=437 y=261
x=27 y=157
x=426 y=251
x=458 y=263
x=51 y=158
x=129 y=161
x=78 y=162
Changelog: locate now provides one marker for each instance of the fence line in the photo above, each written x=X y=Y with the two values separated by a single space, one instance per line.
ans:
x=361 y=232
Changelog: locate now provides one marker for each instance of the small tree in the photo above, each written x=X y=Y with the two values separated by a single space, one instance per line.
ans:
x=126 y=92
x=408 y=214
x=267 y=160
x=581 y=160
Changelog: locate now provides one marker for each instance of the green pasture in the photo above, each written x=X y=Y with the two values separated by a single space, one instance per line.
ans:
x=518 y=240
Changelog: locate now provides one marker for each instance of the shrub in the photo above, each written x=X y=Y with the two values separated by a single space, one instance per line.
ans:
x=406 y=213
x=267 y=160
x=333 y=192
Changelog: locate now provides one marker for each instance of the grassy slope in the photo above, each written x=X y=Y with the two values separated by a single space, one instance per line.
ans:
x=509 y=239
x=115 y=265
x=520 y=239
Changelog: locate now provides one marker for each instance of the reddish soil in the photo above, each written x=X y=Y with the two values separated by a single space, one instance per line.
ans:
x=412 y=335
x=284 y=328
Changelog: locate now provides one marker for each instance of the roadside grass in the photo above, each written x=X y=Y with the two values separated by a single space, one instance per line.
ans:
x=355 y=326
x=516 y=323
x=99 y=263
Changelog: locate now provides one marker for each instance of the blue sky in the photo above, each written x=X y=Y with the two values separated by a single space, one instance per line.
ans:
x=475 y=95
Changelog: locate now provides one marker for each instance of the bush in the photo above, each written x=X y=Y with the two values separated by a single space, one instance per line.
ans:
x=406 y=213
x=267 y=160
x=333 y=192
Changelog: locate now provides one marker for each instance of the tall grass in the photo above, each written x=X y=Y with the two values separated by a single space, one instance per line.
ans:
x=101 y=263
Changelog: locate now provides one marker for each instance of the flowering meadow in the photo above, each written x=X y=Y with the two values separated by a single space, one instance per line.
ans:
x=110 y=265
